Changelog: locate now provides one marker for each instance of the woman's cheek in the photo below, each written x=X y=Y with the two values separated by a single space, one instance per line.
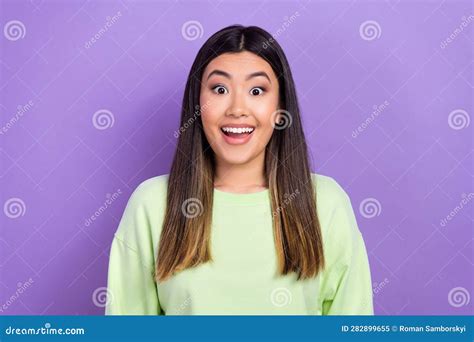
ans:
x=265 y=119
x=210 y=121
x=266 y=135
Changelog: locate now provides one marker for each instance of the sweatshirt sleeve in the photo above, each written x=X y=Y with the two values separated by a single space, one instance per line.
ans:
x=131 y=287
x=347 y=285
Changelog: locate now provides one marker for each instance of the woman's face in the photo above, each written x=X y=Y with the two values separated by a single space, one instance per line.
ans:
x=238 y=99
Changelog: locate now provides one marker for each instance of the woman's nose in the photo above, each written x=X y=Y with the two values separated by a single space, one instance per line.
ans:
x=238 y=106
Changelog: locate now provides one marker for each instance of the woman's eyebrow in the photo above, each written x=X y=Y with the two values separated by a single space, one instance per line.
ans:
x=259 y=73
x=227 y=75
x=219 y=72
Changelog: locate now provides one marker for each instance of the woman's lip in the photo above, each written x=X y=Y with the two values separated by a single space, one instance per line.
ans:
x=237 y=141
x=238 y=126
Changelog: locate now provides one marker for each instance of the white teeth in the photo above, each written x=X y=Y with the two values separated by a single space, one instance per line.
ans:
x=237 y=130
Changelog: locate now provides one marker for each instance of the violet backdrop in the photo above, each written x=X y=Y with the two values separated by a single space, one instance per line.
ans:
x=90 y=101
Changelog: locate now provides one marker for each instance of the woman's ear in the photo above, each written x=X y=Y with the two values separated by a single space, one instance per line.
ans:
x=280 y=115
x=276 y=118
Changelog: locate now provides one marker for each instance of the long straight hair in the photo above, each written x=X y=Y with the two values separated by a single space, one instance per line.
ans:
x=186 y=231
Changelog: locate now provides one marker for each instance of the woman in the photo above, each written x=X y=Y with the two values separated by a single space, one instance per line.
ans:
x=240 y=225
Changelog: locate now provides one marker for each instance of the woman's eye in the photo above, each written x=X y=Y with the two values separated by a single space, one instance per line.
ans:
x=219 y=90
x=257 y=91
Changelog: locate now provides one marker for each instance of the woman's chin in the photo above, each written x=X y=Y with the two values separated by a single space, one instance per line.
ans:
x=235 y=158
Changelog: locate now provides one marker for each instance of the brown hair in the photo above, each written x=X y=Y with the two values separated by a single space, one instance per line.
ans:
x=186 y=231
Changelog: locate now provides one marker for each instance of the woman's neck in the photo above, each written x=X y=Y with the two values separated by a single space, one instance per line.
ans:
x=241 y=178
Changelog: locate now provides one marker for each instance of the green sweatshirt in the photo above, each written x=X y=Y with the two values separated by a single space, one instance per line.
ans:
x=243 y=278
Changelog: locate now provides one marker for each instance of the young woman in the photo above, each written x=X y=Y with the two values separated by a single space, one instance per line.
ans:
x=240 y=225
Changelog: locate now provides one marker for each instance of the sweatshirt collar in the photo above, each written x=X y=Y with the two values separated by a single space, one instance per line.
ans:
x=252 y=198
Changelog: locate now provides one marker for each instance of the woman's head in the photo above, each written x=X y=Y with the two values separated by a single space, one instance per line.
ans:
x=218 y=84
x=241 y=76
x=238 y=89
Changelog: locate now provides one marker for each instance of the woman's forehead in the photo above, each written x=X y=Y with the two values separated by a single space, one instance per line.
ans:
x=239 y=64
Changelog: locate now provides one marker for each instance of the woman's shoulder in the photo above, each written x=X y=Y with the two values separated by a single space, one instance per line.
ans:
x=333 y=205
x=144 y=211
x=150 y=193
x=328 y=189
x=148 y=189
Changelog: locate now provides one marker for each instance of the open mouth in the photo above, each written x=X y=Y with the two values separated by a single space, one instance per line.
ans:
x=234 y=132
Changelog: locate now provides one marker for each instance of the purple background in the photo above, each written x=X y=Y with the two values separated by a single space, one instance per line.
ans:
x=58 y=166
